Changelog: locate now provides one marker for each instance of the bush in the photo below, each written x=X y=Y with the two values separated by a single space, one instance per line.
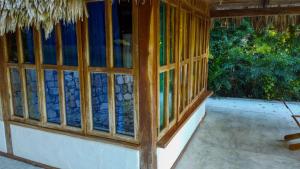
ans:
x=245 y=63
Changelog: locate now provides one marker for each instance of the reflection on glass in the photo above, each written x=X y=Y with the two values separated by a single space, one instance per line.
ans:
x=162 y=101
x=49 y=48
x=124 y=104
x=99 y=84
x=11 y=43
x=69 y=44
x=172 y=34
x=32 y=94
x=28 y=46
x=163 y=33
x=16 y=88
x=96 y=24
x=52 y=96
x=72 y=98
x=122 y=33
x=171 y=95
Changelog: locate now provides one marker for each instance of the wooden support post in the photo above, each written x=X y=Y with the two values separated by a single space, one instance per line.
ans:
x=4 y=95
x=147 y=36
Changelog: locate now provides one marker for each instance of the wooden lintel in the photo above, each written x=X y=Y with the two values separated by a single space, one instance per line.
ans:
x=254 y=12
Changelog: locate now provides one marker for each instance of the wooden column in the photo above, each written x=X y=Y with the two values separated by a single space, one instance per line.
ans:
x=147 y=36
x=4 y=95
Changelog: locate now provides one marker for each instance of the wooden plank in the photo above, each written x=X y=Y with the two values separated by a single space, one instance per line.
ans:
x=255 y=12
x=148 y=14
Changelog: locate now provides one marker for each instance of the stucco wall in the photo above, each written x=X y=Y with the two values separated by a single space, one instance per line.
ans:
x=69 y=152
x=1 y=111
x=2 y=138
x=166 y=157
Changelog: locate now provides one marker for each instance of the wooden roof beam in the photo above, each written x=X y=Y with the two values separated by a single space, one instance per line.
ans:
x=255 y=12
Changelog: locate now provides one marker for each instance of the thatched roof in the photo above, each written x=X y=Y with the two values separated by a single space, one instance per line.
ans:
x=279 y=14
x=25 y=13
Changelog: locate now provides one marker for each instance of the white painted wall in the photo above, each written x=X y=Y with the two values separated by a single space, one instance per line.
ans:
x=2 y=138
x=166 y=157
x=68 y=152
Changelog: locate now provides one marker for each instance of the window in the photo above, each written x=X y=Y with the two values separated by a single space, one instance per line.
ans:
x=167 y=66
x=182 y=63
x=111 y=73
x=82 y=78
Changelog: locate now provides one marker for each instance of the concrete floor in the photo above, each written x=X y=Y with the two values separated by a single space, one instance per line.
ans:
x=242 y=134
x=236 y=134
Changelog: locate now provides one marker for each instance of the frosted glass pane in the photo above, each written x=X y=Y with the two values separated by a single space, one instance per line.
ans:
x=52 y=96
x=16 y=88
x=72 y=98
x=124 y=100
x=32 y=94
x=99 y=88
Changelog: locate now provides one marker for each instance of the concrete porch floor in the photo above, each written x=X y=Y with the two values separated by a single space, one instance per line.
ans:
x=236 y=134
x=243 y=134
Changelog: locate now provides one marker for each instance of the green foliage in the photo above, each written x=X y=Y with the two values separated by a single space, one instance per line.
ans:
x=244 y=63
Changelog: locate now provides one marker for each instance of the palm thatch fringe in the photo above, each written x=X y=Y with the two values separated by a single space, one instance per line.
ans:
x=279 y=22
x=44 y=13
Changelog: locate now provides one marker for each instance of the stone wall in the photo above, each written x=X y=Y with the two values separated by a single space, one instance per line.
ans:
x=32 y=94
x=16 y=92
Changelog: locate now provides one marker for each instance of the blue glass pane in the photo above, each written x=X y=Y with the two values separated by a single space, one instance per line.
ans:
x=32 y=94
x=49 y=48
x=52 y=96
x=171 y=95
x=162 y=77
x=97 y=44
x=69 y=44
x=100 y=101
x=124 y=100
x=16 y=88
x=11 y=43
x=122 y=33
x=28 y=46
x=163 y=34
x=72 y=98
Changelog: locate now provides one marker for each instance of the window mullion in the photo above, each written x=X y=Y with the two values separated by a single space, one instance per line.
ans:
x=40 y=74
x=60 y=75
x=110 y=64
x=22 y=72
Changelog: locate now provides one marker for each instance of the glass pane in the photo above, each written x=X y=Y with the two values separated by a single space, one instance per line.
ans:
x=162 y=101
x=69 y=44
x=11 y=41
x=171 y=95
x=124 y=100
x=97 y=44
x=28 y=46
x=72 y=98
x=16 y=88
x=99 y=84
x=52 y=96
x=122 y=33
x=163 y=33
x=32 y=94
x=172 y=34
x=49 y=48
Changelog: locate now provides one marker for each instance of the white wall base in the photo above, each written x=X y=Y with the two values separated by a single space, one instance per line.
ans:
x=3 y=147
x=166 y=157
x=68 y=152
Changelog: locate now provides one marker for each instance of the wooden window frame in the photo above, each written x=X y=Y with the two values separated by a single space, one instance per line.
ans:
x=84 y=71
x=194 y=60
